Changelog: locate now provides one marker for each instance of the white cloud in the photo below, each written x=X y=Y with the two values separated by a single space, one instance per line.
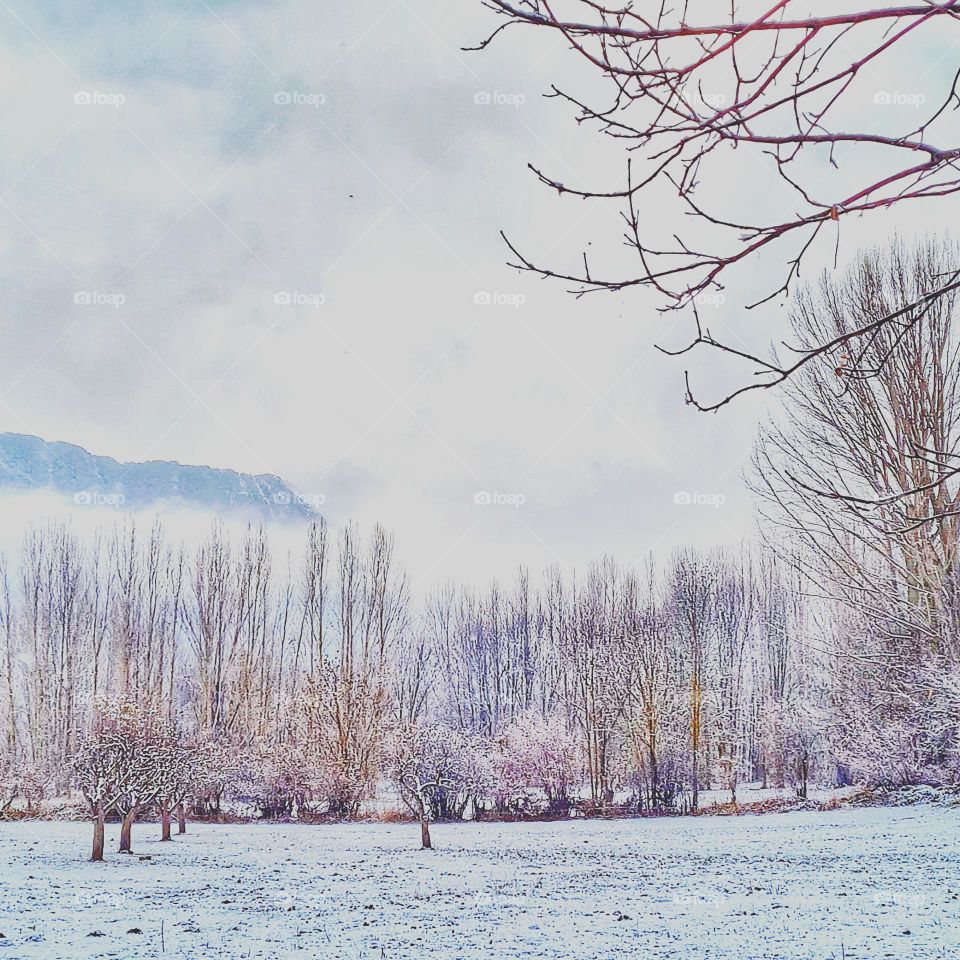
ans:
x=200 y=197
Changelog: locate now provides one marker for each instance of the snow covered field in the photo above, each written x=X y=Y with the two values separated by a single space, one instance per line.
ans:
x=855 y=883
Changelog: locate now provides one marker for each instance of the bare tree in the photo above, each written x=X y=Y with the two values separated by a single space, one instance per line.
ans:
x=100 y=767
x=593 y=652
x=314 y=596
x=7 y=628
x=734 y=625
x=491 y=654
x=861 y=470
x=692 y=580
x=653 y=699
x=348 y=699
x=214 y=624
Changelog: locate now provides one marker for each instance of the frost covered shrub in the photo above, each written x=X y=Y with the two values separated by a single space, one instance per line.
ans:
x=903 y=730
x=887 y=754
x=538 y=766
x=72 y=807
x=657 y=759
x=9 y=786
x=23 y=788
x=665 y=793
x=219 y=769
x=273 y=780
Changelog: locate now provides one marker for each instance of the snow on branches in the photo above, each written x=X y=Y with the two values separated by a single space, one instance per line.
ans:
x=437 y=771
x=129 y=760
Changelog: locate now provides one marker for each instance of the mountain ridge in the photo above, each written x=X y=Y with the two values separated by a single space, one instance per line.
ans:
x=29 y=463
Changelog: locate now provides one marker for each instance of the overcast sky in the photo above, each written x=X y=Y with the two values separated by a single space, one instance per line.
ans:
x=254 y=236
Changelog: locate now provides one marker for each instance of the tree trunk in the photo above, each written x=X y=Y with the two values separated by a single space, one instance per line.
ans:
x=695 y=697
x=181 y=819
x=126 y=830
x=425 y=833
x=98 y=825
x=165 y=823
x=654 y=798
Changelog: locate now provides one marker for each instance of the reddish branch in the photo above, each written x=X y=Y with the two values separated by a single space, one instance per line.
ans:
x=784 y=76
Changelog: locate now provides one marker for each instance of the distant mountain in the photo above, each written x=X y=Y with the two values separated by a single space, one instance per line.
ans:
x=29 y=463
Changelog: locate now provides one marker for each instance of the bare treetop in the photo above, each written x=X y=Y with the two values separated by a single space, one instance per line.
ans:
x=690 y=95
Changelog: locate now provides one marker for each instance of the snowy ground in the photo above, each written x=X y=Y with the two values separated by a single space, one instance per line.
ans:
x=855 y=883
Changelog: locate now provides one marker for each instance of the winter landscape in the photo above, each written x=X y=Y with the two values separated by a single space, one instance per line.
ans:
x=480 y=479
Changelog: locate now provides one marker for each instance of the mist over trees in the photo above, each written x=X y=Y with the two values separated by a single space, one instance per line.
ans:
x=147 y=677
x=142 y=675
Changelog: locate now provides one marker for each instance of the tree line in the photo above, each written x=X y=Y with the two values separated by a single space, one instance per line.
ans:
x=153 y=678
x=312 y=684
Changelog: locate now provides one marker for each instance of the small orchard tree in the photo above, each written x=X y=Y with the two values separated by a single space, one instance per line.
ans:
x=100 y=768
x=427 y=764
x=177 y=776
x=145 y=776
x=123 y=764
x=151 y=769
